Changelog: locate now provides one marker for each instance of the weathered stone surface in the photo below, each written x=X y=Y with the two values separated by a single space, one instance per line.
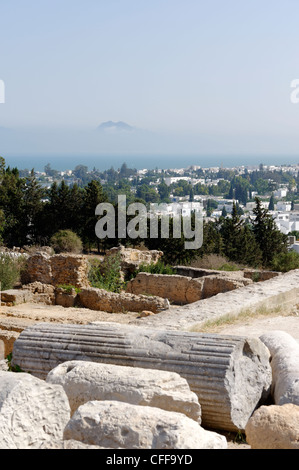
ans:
x=3 y=365
x=255 y=275
x=230 y=375
x=121 y=425
x=2 y=350
x=178 y=289
x=58 y=269
x=65 y=299
x=279 y=292
x=88 y=381
x=40 y=288
x=274 y=427
x=214 y=285
x=44 y=293
x=70 y=444
x=284 y=350
x=131 y=258
x=7 y=339
x=16 y=296
x=260 y=276
x=112 y=302
x=31 y=411
x=38 y=269
x=69 y=270
x=183 y=289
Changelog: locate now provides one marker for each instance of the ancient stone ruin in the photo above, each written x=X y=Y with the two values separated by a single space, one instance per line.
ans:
x=130 y=259
x=156 y=382
x=57 y=269
x=182 y=289
x=230 y=376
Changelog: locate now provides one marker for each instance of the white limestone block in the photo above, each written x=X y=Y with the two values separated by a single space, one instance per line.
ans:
x=113 y=424
x=85 y=381
x=31 y=411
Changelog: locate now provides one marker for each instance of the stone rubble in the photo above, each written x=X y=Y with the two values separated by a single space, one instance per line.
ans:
x=117 y=425
x=85 y=381
x=284 y=350
x=274 y=427
x=131 y=258
x=113 y=302
x=230 y=375
x=128 y=399
x=31 y=411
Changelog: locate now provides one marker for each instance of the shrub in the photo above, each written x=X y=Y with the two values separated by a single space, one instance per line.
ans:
x=284 y=262
x=106 y=274
x=66 y=241
x=229 y=267
x=68 y=288
x=156 y=268
x=10 y=270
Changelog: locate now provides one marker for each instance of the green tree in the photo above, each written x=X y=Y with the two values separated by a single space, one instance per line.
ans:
x=231 y=233
x=224 y=212
x=271 y=203
x=191 y=194
x=212 y=240
x=12 y=189
x=147 y=193
x=239 y=243
x=32 y=208
x=56 y=214
x=163 y=191
x=269 y=239
x=93 y=195
x=174 y=251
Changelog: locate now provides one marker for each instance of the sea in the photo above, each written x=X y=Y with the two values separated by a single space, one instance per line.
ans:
x=105 y=162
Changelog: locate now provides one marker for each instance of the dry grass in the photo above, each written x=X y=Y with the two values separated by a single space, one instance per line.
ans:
x=214 y=261
x=212 y=326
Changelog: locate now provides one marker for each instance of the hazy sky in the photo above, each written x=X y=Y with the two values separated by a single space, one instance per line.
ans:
x=219 y=70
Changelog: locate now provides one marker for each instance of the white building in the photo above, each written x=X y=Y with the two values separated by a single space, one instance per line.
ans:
x=175 y=209
x=283 y=206
x=287 y=221
x=281 y=192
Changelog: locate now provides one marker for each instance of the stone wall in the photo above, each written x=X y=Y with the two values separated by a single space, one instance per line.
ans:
x=183 y=289
x=253 y=274
x=280 y=292
x=111 y=302
x=131 y=259
x=57 y=269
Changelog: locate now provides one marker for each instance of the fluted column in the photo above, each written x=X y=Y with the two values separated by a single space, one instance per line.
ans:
x=229 y=374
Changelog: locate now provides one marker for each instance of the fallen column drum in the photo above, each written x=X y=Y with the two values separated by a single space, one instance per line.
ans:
x=230 y=375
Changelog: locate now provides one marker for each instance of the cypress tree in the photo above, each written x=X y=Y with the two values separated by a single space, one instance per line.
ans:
x=224 y=212
x=231 y=232
x=271 y=203
x=239 y=243
x=33 y=207
x=93 y=195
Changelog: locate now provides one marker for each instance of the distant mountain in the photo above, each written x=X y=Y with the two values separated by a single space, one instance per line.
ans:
x=119 y=126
